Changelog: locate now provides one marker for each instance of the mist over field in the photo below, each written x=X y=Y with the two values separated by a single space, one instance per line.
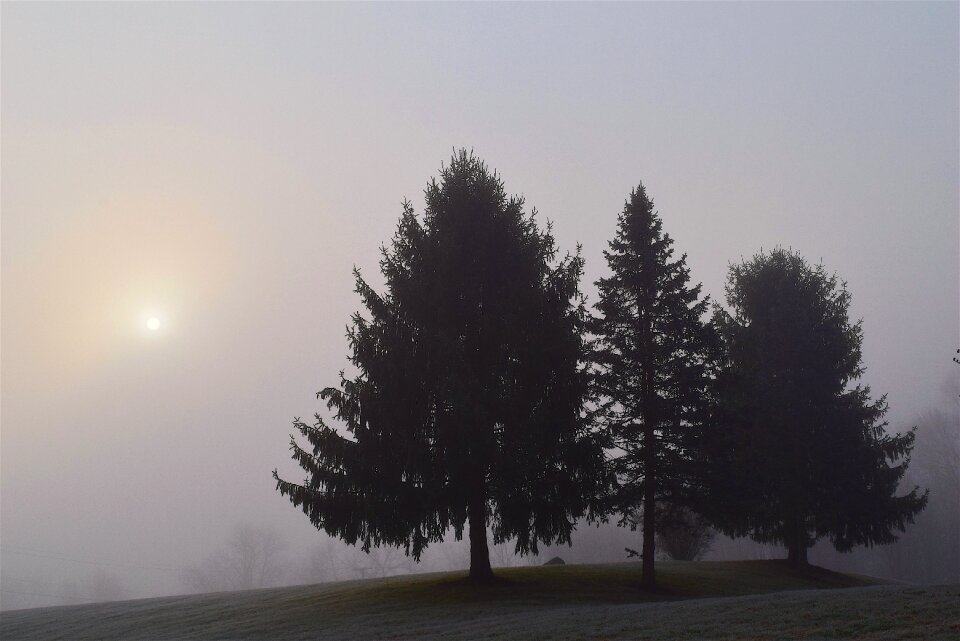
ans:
x=186 y=188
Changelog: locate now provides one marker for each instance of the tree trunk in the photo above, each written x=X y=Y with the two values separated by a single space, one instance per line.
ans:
x=797 y=554
x=648 y=579
x=645 y=298
x=479 y=552
x=797 y=548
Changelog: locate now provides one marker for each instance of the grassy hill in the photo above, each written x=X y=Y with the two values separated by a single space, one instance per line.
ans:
x=706 y=600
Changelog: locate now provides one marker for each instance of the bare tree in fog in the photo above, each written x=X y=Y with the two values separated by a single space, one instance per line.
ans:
x=102 y=586
x=504 y=555
x=930 y=551
x=325 y=562
x=683 y=534
x=96 y=587
x=383 y=561
x=251 y=558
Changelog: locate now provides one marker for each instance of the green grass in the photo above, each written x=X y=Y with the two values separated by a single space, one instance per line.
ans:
x=608 y=583
x=707 y=600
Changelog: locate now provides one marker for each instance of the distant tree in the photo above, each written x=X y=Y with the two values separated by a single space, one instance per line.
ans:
x=684 y=534
x=931 y=549
x=652 y=352
x=468 y=404
x=382 y=562
x=251 y=558
x=326 y=561
x=955 y=359
x=102 y=586
x=801 y=452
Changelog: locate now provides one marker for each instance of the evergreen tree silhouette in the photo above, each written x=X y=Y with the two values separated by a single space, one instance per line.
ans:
x=468 y=404
x=801 y=451
x=652 y=352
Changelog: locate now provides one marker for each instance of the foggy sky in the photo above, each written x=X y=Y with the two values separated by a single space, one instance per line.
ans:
x=224 y=166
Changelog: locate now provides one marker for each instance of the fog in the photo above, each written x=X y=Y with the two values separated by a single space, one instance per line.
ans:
x=222 y=167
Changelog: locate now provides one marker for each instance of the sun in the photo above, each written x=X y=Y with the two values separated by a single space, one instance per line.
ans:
x=153 y=323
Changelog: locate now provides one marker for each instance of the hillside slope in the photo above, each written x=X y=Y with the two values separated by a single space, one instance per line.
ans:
x=698 y=600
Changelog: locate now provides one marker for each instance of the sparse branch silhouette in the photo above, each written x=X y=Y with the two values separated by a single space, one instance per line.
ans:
x=252 y=557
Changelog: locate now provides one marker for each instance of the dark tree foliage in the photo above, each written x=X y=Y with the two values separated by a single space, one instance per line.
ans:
x=468 y=404
x=651 y=352
x=800 y=451
x=683 y=534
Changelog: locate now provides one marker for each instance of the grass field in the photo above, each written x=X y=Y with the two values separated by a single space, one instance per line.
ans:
x=706 y=600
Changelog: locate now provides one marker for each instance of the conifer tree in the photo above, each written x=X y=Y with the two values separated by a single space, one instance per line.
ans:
x=651 y=351
x=800 y=451
x=468 y=402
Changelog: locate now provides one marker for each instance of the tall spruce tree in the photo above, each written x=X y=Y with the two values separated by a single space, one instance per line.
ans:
x=651 y=351
x=468 y=404
x=800 y=451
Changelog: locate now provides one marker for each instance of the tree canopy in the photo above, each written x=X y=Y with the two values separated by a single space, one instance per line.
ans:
x=800 y=451
x=468 y=400
x=652 y=350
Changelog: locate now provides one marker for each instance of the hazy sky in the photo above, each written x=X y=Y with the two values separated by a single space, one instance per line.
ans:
x=223 y=166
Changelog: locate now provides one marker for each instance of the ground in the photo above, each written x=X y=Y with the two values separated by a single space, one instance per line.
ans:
x=705 y=600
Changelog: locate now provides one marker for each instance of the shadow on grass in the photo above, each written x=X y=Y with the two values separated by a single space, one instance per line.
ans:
x=617 y=583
